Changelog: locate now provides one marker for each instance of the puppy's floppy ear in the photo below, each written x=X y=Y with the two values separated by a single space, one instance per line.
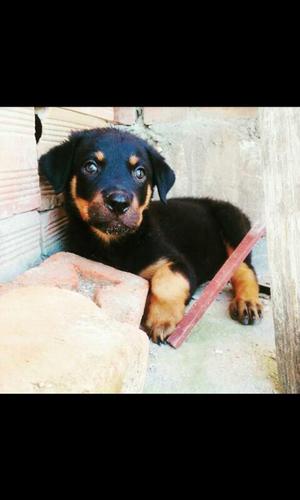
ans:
x=56 y=164
x=163 y=176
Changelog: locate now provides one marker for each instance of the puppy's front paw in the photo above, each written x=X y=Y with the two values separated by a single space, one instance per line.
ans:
x=247 y=312
x=161 y=319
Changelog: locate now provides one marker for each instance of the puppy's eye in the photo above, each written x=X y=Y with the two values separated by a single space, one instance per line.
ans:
x=90 y=168
x=139 y=173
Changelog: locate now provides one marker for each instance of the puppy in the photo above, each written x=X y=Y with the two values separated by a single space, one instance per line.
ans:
x=108 y=177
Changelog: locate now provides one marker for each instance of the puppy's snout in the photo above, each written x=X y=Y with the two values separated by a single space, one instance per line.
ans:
x=118 y=202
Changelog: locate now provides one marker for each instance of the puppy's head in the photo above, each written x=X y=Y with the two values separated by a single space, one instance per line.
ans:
x=108 y=176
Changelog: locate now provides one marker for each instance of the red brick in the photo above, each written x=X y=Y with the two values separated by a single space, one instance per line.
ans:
x=121 y=295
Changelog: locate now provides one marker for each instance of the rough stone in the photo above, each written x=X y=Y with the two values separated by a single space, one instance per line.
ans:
x=121 y=295
x=61 y=342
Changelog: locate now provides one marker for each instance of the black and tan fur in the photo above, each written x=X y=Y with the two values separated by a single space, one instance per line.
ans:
x=108 y=177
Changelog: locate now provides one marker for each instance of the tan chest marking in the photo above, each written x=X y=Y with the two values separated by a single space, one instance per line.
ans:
x=149 y=271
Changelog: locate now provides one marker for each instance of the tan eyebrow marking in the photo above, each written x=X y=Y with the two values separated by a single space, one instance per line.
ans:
x=133 y=160
x=100 y=156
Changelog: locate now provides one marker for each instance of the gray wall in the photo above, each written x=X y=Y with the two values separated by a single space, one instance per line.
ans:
x=214 y=152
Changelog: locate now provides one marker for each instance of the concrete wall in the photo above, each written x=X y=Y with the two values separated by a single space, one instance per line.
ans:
x=214 y=152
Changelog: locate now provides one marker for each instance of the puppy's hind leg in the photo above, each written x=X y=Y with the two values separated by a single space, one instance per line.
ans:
x=245 y=306
x=234 y=225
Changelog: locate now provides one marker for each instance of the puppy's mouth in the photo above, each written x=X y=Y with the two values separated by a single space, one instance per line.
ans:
x=112 y=223
x=115 y=225
x=117 y=228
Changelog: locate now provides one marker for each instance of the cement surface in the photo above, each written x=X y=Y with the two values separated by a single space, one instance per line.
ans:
x=221 y=355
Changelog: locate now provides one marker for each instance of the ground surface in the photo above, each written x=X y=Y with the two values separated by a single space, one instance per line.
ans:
x=220 y=356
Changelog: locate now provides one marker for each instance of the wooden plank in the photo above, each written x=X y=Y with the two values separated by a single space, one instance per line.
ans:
x=183 y=329
x=280 y=140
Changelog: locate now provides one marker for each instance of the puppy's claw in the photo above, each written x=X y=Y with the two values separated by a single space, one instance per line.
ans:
x=246 y=312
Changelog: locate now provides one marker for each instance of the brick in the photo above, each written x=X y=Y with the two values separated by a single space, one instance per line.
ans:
x=105 y=113
x=57 y=123
x=125 y=115
x=19 y=244
x=54 y=225
x=121 y=295
x=58 y=341
x=177 y=114
x=19 y=181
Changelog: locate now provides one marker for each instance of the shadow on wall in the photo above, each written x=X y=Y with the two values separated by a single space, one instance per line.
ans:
x=38 y=128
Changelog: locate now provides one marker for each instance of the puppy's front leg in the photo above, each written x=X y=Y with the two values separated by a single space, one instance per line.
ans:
x=169 y=291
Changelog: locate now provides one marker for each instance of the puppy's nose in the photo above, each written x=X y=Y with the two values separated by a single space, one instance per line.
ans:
x=118 y=202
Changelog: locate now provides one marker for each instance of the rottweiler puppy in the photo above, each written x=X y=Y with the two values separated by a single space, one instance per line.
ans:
x=108 y=177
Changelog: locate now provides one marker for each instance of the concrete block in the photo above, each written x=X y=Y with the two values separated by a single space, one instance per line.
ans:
x=125 y=115
x=216 y=158
x=19 y=244
x=58 y=341
x=19 y=181
x=54 y=225
x=178 y=114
